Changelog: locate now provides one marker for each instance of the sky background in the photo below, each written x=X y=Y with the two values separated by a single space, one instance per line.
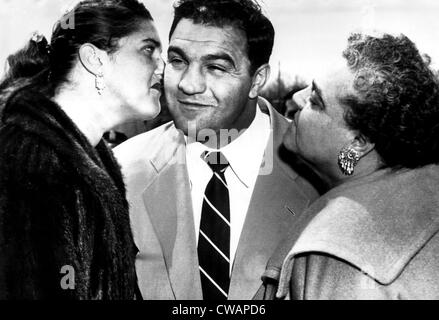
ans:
x=308 y=32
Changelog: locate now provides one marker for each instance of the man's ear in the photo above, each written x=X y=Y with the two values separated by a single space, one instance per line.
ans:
x=92 y=58
x=259 y=79
x=362 y=145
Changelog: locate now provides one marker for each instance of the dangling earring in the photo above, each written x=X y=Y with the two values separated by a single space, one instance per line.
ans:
x=348 y=159
x=99 y=83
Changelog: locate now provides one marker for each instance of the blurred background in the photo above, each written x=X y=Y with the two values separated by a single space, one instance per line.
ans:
x=307 y=32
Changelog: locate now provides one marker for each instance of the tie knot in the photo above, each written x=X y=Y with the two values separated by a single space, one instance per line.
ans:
x=216 y=161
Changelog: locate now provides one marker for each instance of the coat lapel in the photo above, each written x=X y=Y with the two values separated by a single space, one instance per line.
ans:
x=169 y=205
x=275 y=205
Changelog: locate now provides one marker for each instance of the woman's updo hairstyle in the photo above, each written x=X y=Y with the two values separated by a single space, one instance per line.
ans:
x=98 y=22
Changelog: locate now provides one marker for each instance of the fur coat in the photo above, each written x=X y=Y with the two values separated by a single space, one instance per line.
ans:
x=64 y=223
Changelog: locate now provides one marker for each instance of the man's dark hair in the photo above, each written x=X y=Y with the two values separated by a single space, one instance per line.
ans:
x=396 y=99
x=243 y=14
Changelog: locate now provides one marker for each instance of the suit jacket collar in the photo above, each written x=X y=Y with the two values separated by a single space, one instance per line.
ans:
x=167 y=148
x=377 y=234
x=275 y=198
x=174 y=225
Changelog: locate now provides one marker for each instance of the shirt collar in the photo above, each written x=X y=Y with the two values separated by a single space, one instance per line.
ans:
x=245 y=153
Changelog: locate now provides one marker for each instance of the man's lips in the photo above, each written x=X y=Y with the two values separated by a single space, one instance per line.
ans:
x=194 y=104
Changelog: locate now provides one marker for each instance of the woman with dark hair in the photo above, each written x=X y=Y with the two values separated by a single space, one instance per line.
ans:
x=370 y=129
x=64 y=223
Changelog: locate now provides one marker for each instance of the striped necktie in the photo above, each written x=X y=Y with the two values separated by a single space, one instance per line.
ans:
x=214 y=237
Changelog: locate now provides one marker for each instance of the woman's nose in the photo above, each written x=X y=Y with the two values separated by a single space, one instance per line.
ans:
x=294 y=104
x=299 y=98
x=160 y=67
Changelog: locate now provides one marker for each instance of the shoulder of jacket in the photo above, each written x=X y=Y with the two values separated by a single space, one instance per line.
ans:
x=143 y=146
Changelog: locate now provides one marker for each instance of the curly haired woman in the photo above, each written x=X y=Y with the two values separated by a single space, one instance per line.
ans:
x=371 y=131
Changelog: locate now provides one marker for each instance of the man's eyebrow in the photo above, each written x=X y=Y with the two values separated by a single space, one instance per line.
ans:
x=176 y=50
x=220 y=56
x=317 y=89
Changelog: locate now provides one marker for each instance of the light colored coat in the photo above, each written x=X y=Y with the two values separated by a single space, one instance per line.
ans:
x=372 y=238
x=158 y=191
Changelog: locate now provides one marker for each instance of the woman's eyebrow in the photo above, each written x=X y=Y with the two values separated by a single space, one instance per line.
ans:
x=153 y=41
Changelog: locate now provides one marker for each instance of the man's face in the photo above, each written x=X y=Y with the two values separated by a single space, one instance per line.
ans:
x=207 y=78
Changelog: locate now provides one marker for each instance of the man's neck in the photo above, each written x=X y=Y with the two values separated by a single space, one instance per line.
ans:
x=222 y=137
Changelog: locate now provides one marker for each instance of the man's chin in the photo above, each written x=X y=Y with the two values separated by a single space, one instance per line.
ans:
x=183 y=126
x=188 y=126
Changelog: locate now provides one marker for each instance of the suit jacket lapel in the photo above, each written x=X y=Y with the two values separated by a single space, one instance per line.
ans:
x=275 y=201
x=169 y=205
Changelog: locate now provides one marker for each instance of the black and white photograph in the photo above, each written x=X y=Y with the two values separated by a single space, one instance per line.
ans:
x=225 y=156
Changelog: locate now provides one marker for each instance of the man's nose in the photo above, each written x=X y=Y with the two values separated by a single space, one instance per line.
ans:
x=192 y=81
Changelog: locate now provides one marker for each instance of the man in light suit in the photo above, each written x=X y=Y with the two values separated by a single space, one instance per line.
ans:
x=217 y=63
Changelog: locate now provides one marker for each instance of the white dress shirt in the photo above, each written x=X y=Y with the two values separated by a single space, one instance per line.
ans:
x=245 y=156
